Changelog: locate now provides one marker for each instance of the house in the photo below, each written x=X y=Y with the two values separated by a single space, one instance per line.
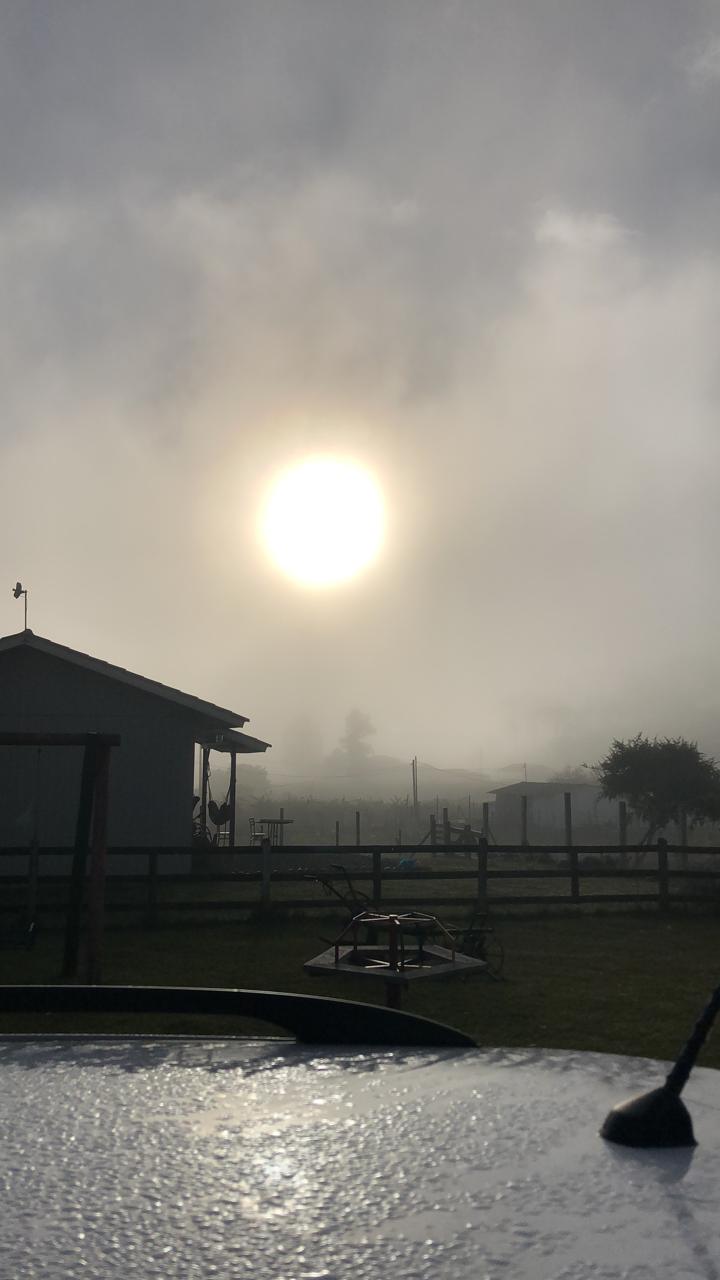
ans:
x=545 y=808
x=46 y=687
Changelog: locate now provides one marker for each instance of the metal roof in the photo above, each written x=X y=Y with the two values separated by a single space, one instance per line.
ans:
x=547 y=787
x=230 y=740
x=28 y=640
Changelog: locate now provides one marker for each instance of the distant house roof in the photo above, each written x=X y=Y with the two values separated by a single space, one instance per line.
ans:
x=28 y=640
x=527 y=788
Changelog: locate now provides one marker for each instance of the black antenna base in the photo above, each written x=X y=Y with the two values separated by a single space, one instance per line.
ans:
x=655 y=1119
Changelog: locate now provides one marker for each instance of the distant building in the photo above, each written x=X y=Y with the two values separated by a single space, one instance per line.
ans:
x=546 y=807
x=48 y=688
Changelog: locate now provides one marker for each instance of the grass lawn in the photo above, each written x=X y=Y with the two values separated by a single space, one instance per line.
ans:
x=630 y=983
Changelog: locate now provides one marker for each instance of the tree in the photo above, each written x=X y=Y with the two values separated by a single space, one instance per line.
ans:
x=662 y=780
x=358 y=727
x=354 y=750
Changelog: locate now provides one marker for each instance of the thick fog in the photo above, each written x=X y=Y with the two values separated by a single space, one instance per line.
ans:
x=473 y=246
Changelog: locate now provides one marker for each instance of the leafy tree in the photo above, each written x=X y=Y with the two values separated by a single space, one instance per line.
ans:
x=358 y=727
x=662 y=779
x=354 y=750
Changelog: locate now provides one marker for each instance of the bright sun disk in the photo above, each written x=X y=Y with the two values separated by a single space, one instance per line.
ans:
x=323 y=521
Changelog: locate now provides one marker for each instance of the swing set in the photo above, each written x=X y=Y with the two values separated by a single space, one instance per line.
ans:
x=21 y=933
x=90 y=839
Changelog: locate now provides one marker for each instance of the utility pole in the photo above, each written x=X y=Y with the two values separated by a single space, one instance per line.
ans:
x=414 y=770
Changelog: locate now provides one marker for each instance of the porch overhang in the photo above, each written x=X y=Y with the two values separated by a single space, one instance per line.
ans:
x=231 y=741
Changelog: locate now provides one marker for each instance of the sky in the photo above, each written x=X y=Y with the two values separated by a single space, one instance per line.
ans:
x=472 y=246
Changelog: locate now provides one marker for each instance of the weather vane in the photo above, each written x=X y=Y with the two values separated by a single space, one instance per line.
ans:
x=18 y=591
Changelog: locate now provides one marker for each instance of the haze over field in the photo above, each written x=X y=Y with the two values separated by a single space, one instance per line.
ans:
x=474 y=248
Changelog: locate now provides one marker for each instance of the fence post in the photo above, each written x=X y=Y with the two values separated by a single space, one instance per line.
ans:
x=266 y=871
x=482 y=861
x=622 y=827
x=523 y=820
x=574 y=875
x=572 y=853
x=447 y=834
x=467 y=839
x=567 y=800
x=357 y=826
x=377 y=878
x=152 y=903
x=663 y=886
x=486 y=818
x=683 y=838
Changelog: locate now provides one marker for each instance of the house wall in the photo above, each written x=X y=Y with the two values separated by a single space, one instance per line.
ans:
x=546 y=809
x=151 y=772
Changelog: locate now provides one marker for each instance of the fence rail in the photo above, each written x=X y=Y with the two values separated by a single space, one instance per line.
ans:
x=332 y=851
x=265 y=884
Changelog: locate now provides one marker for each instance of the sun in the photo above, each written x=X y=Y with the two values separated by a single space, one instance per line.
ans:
x=323 y=521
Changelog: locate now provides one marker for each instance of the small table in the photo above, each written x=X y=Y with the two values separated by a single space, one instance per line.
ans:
x=271 y=829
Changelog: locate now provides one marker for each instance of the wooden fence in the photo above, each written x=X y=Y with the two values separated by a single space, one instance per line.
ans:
x=261 y=882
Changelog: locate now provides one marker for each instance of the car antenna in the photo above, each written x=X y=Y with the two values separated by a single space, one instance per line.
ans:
x=660 y=1118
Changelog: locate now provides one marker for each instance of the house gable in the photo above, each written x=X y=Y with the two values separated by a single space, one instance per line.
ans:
x=27 y=641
